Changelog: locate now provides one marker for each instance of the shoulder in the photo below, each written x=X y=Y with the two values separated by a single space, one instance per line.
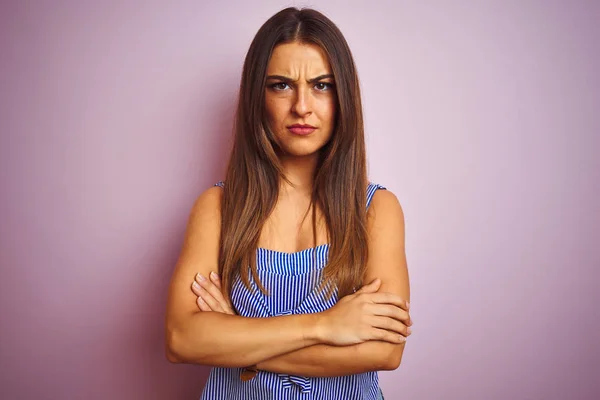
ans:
x=385 y=199
x=209 y=200
x=385 y=212
x=206 y=210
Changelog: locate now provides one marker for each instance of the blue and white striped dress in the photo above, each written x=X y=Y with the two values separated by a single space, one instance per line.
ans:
x=291 y=281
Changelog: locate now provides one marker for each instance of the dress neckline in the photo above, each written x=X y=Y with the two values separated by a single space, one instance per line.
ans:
x=263 y=249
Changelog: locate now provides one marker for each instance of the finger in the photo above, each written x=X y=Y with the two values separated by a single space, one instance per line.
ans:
x=214 y=291
x=208 y=299
x=208 y=285
x=202 y=304
x=211 y=288
x=196 y=288
x=214 y=277
x=371 y=287
x=390 y=324
x=199 y=301
x=387 y=310
x=389 y=298
x=387 y=336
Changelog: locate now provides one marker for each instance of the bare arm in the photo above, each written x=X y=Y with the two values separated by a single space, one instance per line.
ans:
x=387 y=261
x=214 y=338
x=325 y=360
x=231 y=341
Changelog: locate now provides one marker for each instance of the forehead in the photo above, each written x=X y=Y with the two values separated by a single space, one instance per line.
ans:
x=296 y=57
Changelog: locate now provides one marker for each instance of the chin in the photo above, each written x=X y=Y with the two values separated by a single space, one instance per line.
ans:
x=301 y=151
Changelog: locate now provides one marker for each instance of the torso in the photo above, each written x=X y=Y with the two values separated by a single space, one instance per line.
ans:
x=289 y=269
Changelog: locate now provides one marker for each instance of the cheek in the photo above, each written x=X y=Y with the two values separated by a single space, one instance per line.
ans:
x=275 y=110
x=328 y=111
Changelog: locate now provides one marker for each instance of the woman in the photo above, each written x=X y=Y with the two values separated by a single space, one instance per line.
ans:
x=273 y=304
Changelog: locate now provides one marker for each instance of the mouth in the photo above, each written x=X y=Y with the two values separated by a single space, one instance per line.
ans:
x=299 y=129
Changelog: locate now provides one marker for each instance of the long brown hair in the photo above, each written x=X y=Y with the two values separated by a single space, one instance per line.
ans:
x=253 y=174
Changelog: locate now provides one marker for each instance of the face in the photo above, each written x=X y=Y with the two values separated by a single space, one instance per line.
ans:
x=300 y=91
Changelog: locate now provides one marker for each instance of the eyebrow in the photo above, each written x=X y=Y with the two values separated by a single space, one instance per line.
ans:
x=288 y=79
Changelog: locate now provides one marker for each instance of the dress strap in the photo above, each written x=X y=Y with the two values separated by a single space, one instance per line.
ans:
x=220 y=183
x=371 y=189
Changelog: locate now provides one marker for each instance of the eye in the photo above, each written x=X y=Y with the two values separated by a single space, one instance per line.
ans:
x=279 y=86
x=323 y=86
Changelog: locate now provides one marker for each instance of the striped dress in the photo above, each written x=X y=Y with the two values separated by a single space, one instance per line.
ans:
x=290 y=279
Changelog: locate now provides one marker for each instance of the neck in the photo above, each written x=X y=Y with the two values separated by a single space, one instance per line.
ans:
x=300 y=171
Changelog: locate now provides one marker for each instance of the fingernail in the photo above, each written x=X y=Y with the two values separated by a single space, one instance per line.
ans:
x=407 y=304
x=195 y=284
x=201 y=277
x=402 y=339
x=201 y=300
x=409 y=331
x=214 y=275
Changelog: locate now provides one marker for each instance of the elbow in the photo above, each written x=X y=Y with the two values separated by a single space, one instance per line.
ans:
x=391 y=363
x=174 y=346
x=171 y=357
x=170 y=352
x=181 y=349
x=392 y=359
x=381 y=356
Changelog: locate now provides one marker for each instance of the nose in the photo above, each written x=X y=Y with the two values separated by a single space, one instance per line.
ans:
x=302 y=104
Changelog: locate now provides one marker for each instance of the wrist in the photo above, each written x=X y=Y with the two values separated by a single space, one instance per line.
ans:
x=315 y=331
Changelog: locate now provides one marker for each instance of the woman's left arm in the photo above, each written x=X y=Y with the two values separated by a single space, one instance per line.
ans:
x=387 y=261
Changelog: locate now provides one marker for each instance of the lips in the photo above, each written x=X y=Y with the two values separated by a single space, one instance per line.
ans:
x=298 y=129
x=302 y=131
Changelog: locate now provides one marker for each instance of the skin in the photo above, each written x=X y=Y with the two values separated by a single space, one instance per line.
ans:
x=364 y=331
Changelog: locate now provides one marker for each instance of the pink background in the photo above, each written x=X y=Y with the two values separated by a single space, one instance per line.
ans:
x=482 y=117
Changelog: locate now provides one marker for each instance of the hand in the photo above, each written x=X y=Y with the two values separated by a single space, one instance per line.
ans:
x=366 y=315
x=210 y=296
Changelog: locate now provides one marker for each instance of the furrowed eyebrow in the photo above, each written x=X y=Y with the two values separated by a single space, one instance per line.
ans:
x=288 y=79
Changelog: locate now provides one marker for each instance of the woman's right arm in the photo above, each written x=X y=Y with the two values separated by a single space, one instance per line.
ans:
x=218 y=339
x=212 y=338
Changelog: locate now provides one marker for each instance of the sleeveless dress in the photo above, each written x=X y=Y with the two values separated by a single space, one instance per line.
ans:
x=290 y=279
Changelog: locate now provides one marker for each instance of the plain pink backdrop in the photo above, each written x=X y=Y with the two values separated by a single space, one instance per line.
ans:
x=482 y=117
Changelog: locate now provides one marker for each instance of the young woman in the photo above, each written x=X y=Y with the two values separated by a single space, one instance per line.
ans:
x=292 y=281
